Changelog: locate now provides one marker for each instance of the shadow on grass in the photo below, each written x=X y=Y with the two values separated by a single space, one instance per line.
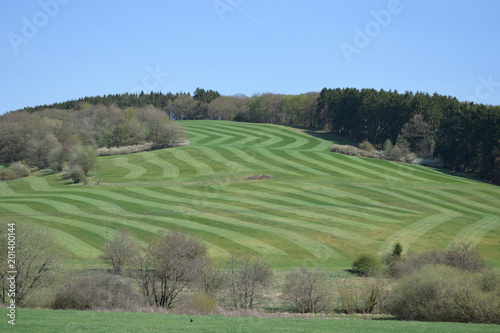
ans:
x=323 y=135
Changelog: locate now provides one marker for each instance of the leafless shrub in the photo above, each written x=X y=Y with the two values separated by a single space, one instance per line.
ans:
x=444 y=293
x=37 y=257
x=465 y=257
x=168 y=266
x=461 y=256
x=125 y=149
x=374 y=293
x=362 y=295
x=7 y=174
x=248 y=277
x=16 y=170
x=20 y=169
x=202 y=303
x=354 y=151
x=121 y=250
x=214 y=281
x=308 y=291
x=98 y=291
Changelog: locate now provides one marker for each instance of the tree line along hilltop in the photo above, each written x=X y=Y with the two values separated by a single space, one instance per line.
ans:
x=465 y=136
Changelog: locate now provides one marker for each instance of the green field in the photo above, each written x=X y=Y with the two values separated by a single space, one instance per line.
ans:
x=40 y=321
x=316 y=209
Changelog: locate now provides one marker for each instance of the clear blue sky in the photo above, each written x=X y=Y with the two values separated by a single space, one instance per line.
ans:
x=55 y=50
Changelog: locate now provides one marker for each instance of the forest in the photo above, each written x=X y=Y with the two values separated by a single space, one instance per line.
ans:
x=464 y=135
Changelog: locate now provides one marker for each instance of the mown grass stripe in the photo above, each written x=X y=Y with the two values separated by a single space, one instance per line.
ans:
x=475 y=232
x=302 y=213
x=99 y=232
x=217 y=138
x=457 y=202
x=62 y=209
x=350 y=169
x=179 y=196
x=195 y=136
x=37 y=183
x=5 y=189
x=331 y=203
x=369 y=170
x=74 y=244
x=290 y=138
x=414 y=231
x=318 y=250
x=402 y=170
x=135 y=170
x=297 y=142
x=318 y=162
x=110 y=213
x=225 y=137
x=476 y=199
x=265 y=137
x=200 y=167
x=182 y=212
x=219 y=158
x=168 y=169
x=374 y=204
x=273 y=156
x=410 y=234
x=263 y=165
x=283 y=198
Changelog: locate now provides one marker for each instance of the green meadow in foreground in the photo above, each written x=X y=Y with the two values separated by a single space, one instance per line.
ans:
x=30 y=320
x=267 y=189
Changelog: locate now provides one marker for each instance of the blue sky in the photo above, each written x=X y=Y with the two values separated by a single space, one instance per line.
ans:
x=55 y=50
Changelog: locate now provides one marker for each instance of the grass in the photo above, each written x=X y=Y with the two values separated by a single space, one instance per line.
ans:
x=30 y=320
x=316 y=208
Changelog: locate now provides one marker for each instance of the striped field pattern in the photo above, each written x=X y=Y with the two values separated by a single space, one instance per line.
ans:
x=312 y=208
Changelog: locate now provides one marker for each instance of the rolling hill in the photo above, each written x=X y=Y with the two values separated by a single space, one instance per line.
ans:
x=267 y=189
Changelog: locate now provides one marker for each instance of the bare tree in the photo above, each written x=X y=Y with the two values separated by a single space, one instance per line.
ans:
x=248 y=276
x=36 y=257
x=121 y=250
x=169 y=265
x=309 y=291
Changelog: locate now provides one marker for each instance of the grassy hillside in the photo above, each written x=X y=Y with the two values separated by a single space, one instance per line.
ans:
x=41 y=321
x=317 y=208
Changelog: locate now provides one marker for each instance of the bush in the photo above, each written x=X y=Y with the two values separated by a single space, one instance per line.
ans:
x=7 y=174
x=15 y=171
x=354 y=151
x=77 y=175
x=443 y=293
x=398 y=250
x=366 y=145
x=20 y=169
x=366 y=265
x=125 y=149
x=171 y=263
x=348 y=298
x=461 y=256
x=98 y=291
x=308 y=291
x=202 y=303
x=248 y=277
x=367 y=296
